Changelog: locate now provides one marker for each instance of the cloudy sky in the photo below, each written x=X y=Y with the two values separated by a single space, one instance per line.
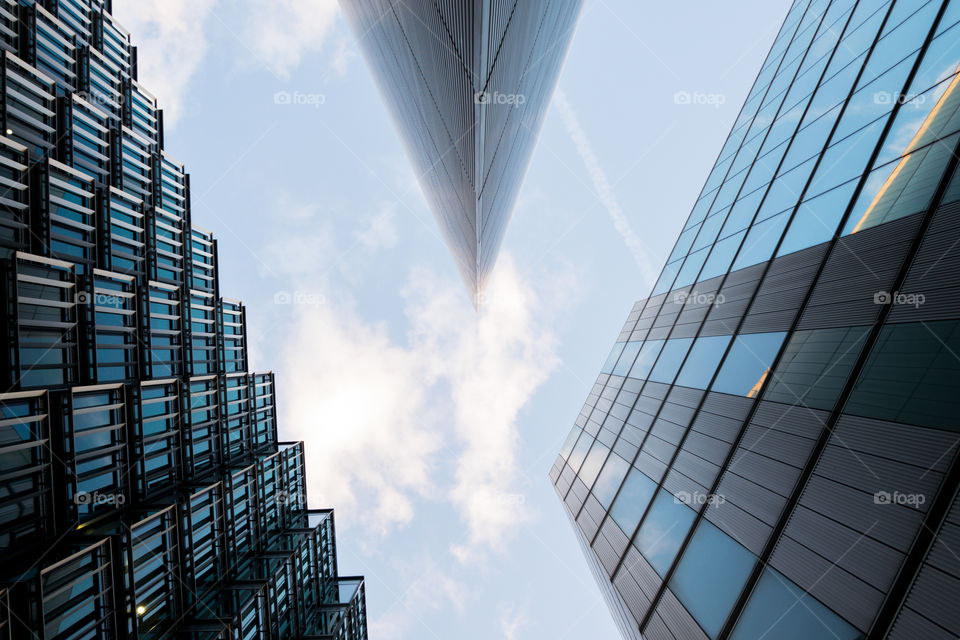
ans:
x=429 y=427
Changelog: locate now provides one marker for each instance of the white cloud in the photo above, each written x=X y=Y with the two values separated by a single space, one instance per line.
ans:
x=603 y=188
x=433 y=589
x=382 y=231
x=280 y=36
x=171 y=43
x=512 y=621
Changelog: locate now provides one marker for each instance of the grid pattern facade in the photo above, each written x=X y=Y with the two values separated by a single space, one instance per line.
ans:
x=143 y=490
x=772 y=448
x=468 y=84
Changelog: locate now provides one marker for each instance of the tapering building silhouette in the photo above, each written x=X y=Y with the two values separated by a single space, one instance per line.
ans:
x=143 y=490
x=467 y=84
x=772 y=448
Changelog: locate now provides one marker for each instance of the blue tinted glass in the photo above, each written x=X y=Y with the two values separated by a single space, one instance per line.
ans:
x=633 y=499
x=648 y=355
x=691 y=267
x=702 y=361
x=570 y=441
x=665 y=283
x=761 y=241
x=591 y=465
x=939 y=63
x=721 y=256
x=670 y=359
x=663 y=531
x=780 y=609
x=747 y=364
x=580 y=450
x=710 y=576
x=626 y=358
x=817 y=219
x=609 y=479
x=612 y=358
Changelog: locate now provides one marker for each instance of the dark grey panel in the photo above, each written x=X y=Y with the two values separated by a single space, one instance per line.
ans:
x=677 y=619
x=783 y=290
x=732 y=301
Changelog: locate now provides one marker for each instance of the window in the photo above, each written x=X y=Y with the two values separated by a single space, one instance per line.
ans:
x=748 y=363
x=817 y=219
x=702 y=361
x=663 y=531
x=609 y=480
x=632 y=501
x=626 y=358
x=912 y=376
x=711 y=575
x=571 y=440
x=612 y=358
x=670 y=359
x=779 y=609
x=648 y=355
x=593 y=462
x=580 y=450
x=761 y=241
x=815 y=366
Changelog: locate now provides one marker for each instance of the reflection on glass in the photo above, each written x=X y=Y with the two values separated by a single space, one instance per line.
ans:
x=591 y=465
x=609 y=479
x=779 y=609
x=632 y=501
x=580 y=450
x=570 y=441
x=747 y=363
x=626 y=358
x=612 y=358
x=703 y=361
x=646 y=358
x=817 y=219
x=912 y=375
x=670 y=359
x=663 y=531
x=761 y=241
x=710 y=575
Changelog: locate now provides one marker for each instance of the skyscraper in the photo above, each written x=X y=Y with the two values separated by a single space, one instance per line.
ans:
x=771 y=448
x=467 y=84
x=143 y=490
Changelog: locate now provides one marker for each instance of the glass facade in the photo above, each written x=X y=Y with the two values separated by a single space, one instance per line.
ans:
x=468 y=84
x=776 y=423
x=143 y=489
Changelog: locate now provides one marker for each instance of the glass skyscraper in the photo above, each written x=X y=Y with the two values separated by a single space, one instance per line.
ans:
x=468 y=83
x=143 y=490
x=771 y=448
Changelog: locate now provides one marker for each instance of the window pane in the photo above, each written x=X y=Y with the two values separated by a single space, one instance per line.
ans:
x=591 y=466
x=609 y=479
x=571 y=440
x=780 y=609
x=626 y=358
x=612 y=358
x=761 y=241
x=815 y=366
x=670 y=359
x=648 y=355
x=580 y=450
x=632 y=501
x=912 y=375
x=663 y=530
x=817 y=219
x=711 y=575
x=702 y=361
x=722 y=255
x=748 y=363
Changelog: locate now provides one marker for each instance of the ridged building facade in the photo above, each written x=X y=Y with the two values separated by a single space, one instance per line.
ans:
x=468 y=85
x=772 y=449
x=143 y=490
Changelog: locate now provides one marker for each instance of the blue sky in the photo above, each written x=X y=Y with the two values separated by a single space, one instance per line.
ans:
x=431 y=428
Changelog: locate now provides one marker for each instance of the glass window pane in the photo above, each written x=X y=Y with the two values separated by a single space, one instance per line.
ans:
x=670 y=359
x=815 y=366
x=761 y=241
x=912 y=375
x=591 y=465
x=665 y=283
x=702 y=361
x=817 y=219
x=710 y=576
x=609 y=479
x=612 y=358
x=748 y=363
x=779 y=609
x=570 y=441
x=626 y=358
x=648 y=355
x=580 y=450
x=722 y=255
x=632 y=501
x=663 y=531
